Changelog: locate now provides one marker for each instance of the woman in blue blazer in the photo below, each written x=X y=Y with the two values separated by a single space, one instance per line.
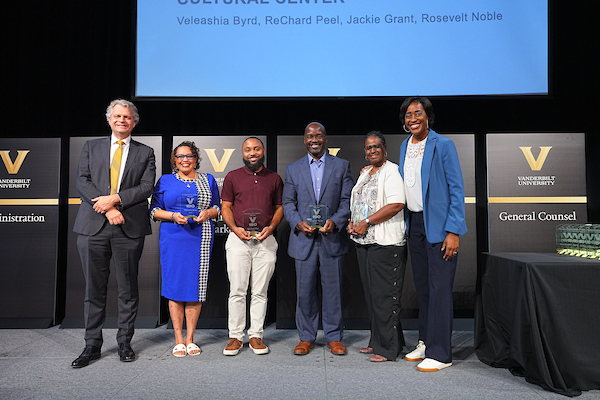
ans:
x=435 y=201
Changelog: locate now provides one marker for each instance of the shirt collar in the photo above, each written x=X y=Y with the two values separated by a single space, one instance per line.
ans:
x=311 y=159
x=250 y=172
x=113 y=139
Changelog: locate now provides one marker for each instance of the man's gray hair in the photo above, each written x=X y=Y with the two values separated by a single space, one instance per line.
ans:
x=124 y=103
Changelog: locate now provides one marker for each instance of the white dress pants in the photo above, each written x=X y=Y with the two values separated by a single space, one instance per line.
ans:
x=249 y=264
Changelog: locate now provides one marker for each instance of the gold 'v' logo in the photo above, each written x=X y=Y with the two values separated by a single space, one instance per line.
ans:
x=534 y=164
x=11 y=167
x=219 y=166
x=334 y=150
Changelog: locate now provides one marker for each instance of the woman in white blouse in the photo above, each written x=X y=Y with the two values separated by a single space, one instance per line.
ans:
x=378 y=228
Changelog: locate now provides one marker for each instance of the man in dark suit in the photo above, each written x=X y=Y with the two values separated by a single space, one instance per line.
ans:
x=115 y=178
x=318 y=179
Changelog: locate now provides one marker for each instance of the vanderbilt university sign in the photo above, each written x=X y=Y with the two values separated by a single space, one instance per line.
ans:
x=536 y=181
x=29 y=198
x=219 y=165
x=13 y=167
x=536 y=164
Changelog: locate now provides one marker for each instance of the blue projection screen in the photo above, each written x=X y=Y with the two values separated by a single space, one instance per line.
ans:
x=340 y=48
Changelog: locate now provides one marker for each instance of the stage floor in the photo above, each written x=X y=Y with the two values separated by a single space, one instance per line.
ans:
x=35 y=364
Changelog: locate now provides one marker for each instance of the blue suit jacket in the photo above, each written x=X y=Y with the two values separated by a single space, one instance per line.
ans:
x=443 y=189
x=298 y=193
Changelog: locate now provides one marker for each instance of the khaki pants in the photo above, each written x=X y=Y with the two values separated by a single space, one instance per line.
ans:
x=249 y=264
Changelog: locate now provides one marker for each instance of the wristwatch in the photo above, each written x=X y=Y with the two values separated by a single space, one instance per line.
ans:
x=367 y=221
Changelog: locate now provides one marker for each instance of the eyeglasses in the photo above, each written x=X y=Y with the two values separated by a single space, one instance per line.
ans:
x=374 y=147
x=183 y=156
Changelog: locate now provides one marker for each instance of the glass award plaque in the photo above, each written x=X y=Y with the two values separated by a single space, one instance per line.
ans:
x=189 y=205
x=359 y=212
x=317 y=215
x=253 y=221
x=581 y=240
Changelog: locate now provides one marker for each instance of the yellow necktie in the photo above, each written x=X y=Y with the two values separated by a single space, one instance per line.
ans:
x=115 y=168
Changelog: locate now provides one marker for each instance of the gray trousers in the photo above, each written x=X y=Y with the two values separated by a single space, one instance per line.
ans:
x=96 y=252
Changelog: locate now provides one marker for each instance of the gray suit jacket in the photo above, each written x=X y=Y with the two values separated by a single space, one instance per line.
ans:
x=93 y=180
x=298 y=193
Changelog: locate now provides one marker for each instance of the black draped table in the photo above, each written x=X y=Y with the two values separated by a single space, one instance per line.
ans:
x=538 y=314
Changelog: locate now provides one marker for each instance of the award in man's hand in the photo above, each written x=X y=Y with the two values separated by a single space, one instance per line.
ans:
x=189 y=205
x=317 y=215
x=253 y=222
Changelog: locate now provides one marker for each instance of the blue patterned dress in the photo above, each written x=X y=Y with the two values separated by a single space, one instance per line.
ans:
x=185 y=250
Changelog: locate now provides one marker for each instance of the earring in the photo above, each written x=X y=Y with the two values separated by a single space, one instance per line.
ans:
x=405 y=130
x=427 y=123
x=366 y=158
x=385 y=154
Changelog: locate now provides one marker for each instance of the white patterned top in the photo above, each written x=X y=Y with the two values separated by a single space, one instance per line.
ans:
x=412 y=174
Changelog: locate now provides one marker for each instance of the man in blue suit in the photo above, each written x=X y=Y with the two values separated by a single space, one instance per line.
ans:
x=318 y=179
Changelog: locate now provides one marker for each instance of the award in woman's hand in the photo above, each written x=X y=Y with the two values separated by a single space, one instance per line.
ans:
x=359 y=212
x=253 y=223
x=189 y=205
x=317 y=215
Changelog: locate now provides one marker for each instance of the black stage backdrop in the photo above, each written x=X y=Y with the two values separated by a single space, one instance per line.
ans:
x=535 y=182
x=66 y=60
x=29 y=181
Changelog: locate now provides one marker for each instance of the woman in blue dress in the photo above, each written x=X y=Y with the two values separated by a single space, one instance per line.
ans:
x=186 y=202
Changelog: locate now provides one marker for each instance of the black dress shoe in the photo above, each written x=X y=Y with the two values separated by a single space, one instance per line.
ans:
x=90 y=353
x=126 y=353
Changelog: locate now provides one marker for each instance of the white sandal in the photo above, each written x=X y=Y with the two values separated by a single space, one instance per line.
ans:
x=179 y=348
x=193 y=347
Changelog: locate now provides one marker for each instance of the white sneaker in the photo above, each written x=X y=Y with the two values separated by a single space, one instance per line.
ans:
x=431 y=365
x=417 y=354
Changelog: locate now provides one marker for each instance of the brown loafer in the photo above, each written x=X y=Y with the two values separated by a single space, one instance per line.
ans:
x=233 y=347
x=303 y=348
x=377 y=358
x=258 y=346
x=337 y=348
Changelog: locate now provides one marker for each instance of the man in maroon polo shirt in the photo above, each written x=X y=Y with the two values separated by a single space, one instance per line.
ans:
x=252 y=208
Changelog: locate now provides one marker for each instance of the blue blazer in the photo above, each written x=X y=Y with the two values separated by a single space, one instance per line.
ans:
x=443 y=189
x=298 y=193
